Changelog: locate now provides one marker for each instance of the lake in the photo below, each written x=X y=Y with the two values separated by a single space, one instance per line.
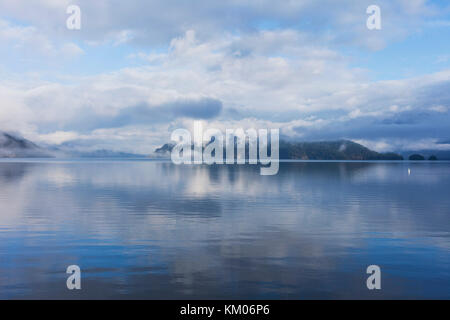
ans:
x=154 y=230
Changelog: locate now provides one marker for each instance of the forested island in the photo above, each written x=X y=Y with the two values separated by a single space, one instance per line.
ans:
x=323 y=150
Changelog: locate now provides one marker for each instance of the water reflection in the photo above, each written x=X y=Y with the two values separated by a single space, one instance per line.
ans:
x=156 y=230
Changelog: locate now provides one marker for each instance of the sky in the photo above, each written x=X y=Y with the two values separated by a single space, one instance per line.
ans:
x=137 y=70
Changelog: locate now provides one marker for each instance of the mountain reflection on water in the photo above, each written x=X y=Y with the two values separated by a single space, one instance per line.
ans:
x=150 y=229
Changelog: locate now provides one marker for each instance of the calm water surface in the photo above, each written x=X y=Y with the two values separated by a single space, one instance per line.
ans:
x=145 y=229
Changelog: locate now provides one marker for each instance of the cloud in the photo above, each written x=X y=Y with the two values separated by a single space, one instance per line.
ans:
x=156 y=22
x=259 y=80
x=144 y=114
x=71 y=50
x=231 y=64
x=58 y=137
x=29 y=42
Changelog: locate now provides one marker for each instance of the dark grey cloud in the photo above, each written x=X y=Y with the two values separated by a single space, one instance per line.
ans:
x=143 y=114
x=413 y=112
x=437 y=94
x=410 y=125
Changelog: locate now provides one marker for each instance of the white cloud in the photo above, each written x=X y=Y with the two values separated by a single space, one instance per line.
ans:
x=291 y=76
x=440 y=109
x=123 y=36
x=71 y=50
x=263 y=80
x=30 y=41
x=57 y=137
x=388 y=145
x=156 y=22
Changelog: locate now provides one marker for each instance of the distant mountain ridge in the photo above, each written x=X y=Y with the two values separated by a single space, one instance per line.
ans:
x=12 y=146
x=103 y=153
x=15 y=147
x=322 y=150
x=332 y=150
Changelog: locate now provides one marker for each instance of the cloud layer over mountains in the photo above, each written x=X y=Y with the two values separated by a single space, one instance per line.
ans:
x=135 y=72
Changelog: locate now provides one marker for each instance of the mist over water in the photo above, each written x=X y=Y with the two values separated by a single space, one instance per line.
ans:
x=150 y=229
